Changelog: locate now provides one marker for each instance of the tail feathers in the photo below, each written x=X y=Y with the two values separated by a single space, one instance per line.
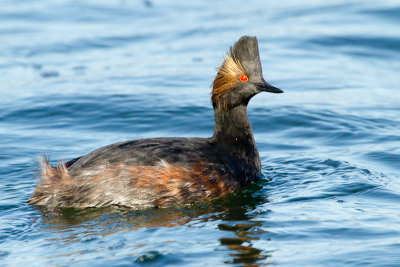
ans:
x=59 y=172
x=53 y=178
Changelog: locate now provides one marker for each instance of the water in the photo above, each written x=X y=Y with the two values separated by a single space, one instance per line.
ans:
x=78 y=75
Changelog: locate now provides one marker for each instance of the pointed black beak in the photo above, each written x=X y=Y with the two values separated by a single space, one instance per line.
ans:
x=266 y=87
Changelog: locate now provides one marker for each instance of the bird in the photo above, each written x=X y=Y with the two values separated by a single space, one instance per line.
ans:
x=169 y=172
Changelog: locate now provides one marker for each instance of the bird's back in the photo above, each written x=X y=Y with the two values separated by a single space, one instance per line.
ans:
x=149 y=152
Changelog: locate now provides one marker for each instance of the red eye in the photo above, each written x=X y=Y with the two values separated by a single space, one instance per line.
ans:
x=243 y=78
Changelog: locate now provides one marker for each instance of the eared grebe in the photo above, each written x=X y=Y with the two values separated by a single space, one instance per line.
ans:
x=165 y=172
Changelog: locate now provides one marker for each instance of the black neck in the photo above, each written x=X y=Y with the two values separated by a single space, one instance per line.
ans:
x=235 y=141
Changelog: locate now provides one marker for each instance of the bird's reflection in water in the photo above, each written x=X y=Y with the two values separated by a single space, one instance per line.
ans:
x=244 y=252
x=237 y=220
x=232 y=211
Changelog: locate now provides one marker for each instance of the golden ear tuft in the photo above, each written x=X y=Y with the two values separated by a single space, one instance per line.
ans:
x=226 y=77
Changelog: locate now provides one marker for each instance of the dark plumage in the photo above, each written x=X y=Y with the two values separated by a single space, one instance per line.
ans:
x=164 y=172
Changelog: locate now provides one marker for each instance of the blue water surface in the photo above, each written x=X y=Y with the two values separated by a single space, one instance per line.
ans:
x=78 y=75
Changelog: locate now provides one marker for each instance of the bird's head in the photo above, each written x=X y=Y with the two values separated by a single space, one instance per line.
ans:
x=240 y=76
